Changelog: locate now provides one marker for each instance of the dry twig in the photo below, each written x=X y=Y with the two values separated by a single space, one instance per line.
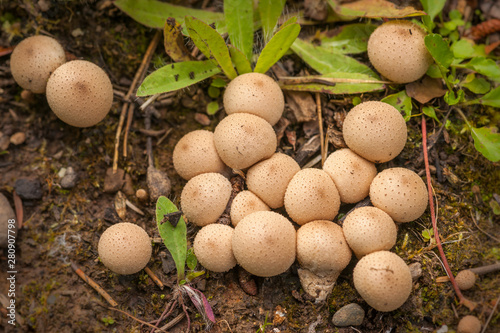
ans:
x=94 y=285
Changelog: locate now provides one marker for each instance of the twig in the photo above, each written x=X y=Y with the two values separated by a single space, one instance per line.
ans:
x=185 y=311
x=18 y=204
x=94 y=285
x=134 y=207
x=153 y=277
x=130 y=116
x=480 y=270
x=484 y=232
x=490 y=316
x=471 y=305
x=320 y=122
x=173 y=322
x=136 y=319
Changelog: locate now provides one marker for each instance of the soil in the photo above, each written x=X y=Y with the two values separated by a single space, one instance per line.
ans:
x=64 y=226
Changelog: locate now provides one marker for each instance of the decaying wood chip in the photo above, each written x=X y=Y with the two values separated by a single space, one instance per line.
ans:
x=247 y=282
x=158 y=183
x=280 y=127
x=335 y=137
x=308 y=149
x=120 y=205
x=302 y=105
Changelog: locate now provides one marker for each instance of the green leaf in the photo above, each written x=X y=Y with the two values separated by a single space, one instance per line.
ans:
x=212 y=108
x=177 y=76
x=238 y=15
x=439 y=50
x=191 y=260
x=433 y=7
x=277 y=47
x=192 y=275
x=211 y=44
x=451 y=98
x=434 y=71
x=487 y=67
x=288 y=22
x=213 y=92
x=174 y=238
x=218 y=83
x=463 y=49
x=240 y=60
x=270 y=11
x=492 y=98
x=326 y=61
x=373 y=8
x=351 y=39
x=402 y=102
x=429 y=111
x=476 y=85
x=487 y=142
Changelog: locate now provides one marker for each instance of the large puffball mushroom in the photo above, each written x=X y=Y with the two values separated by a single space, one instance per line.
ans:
x=351 y=174
x=33 y=60
x=399 y=192
x=465 y=279
x=257 y=94
x=383 y=280
x=205 y=197
x=80 y=93
x=243 y=139
x=322 y=253
x=246 y=203
x=264 y=243
x=269 y=178
x=213 y=247
x=369 y=229
x=397 y=51
x=311 y=195
x=124 y=248
x=469 y=324
x=195 y=154
x=375 y=131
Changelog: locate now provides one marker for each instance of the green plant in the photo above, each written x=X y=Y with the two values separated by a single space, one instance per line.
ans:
x=108 y=321
x=262 y=328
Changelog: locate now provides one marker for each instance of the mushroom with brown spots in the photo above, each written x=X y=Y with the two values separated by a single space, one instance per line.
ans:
x=124 y=248
x=213 y=247
x=469 y=324
x=465 y=279
x=245 y=203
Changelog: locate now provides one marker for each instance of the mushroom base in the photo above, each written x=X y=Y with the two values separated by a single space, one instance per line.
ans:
x=317 y=286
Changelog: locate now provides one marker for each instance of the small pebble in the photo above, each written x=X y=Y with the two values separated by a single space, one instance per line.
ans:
x=18 y=138
x=29 y=189
x=349 y=315
x=70 y=178
x=415 y=270
x=142 y=195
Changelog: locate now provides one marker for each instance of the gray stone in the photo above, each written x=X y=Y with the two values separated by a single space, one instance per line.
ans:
x=28 y=189
x=349 y=315
x=6 y=214
x=69 y=179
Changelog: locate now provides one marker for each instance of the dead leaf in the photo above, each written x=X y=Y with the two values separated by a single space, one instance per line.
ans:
x=373 y=9
x=173 y=41
x=302 y=105
x=335 y=137
x=308 y=149
x=280 y=127
x=121 y=205
x=425 y=89
x=291 y=136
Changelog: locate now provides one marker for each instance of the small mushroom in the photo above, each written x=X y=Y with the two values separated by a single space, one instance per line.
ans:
x=243 y=139
x=351 y=174
x=375 y=131
x=257 y=94
x=369 y=229
x=465 y=279
x=213 y=247
x=269 y=179
x=264 y=243
x=469 y=324
x=311 y=195
x=383 y=280
x=33 y=60
x=399 y=192
x=124 y=248
x=195 y=154
x=205 y=197
x=80 y=93
x=397 y=51
x=245 y=203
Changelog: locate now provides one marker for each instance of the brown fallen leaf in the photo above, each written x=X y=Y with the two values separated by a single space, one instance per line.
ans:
x=302 y=105
x=121 y=205
x=426 y=89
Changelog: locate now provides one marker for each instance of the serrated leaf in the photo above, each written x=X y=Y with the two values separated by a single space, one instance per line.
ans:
x=487 y=67
x=327 y=61
x=191 y=260
x=270 y=11
x=439 y=50
x=433 y=7
x=487 y=142
x=429 y=111
x=402 y=102
x=277 y=47
x=351 y=39
x=177 y=76
x=373 y=8
x=173 y=41
x=238 y=15
x=240 y=61
x=174 y=238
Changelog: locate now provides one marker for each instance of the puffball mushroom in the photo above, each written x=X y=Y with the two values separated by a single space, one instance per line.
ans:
x=205 y=197
x=351 y=174
x=80 y=93
x=264 y=243
x=195 y=154
x=311 y=195
x=399 y=192
x=369 y=229
x=269 y=178
x=242 y=139
x=469 y=324
x=375 y=131
x=33 y=61
x=322 y=253
x=383 y=280
x=257 y=94
x=124 y=248
x=397 y=51
x=245 y=203
x=213 y=247
x=465 y=279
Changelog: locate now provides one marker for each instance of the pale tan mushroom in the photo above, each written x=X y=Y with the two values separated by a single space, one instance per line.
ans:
x=469 y=324
x=246 y=203
x=213 y=247
x=465 y=279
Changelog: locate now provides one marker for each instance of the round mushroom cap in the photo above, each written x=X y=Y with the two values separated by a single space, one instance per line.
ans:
x=351 y=174
x=205 y=197
x=264 y=243
x=245 y=203
x=369 y=229
x=213 y=247
x=399 y=192
x=469 y=324
x=383 y=280
x=34 y=59
x=80 y=93
x=375 y=131
x=195 y=154
x=269 y=178
x=397 y=51
x=465 y=279
x=322 y=248
x=257 y=94
x=124 y=248
x=242 y=139
x=311 y=195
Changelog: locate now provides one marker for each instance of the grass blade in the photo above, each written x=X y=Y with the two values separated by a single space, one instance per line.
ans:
x=238 y=15
x=270 y=11
x=240 y=61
